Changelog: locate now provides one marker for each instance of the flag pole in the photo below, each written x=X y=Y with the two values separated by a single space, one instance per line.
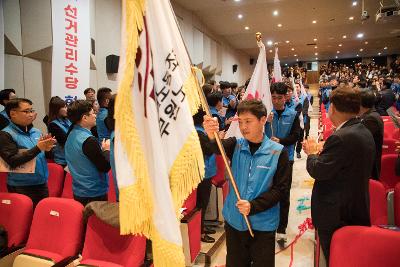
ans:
x=258 y=38
x=206 y=108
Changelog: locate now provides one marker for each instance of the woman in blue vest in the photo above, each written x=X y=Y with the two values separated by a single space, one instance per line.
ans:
x=214 y=100
x=260 y=168
x=58 y=126
x=87 y=161
x=204 y=188
x=103 y=97
x=5 y=96
x=21 y=143
x=283 y=127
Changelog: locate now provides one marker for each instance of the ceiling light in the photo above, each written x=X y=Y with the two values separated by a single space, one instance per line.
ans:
x=247 y=28
x=240 y=16
x=295 y=55
x=344 y=36
x=297 y=59
x=314 y=21
x=315 y=47
x=379 y=53
x=336 y=56
x=269 y=43
x=270 y=51
x=361 y=49
x=275 y=13
x=279 y=25
x=337 y=52
x=351 y=18
x=292 y=49
x=315 y=39
x=287 y=41
x=316 y=54
x=354 y=3
x=360 y=35
x=366 y=42
x=331 y=38
x=340 y=44
x=286 y=64
x=385 y=47
x=357 y=55
x=316 y=58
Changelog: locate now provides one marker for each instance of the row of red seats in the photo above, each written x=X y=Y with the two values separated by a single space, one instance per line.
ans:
x=56 y=235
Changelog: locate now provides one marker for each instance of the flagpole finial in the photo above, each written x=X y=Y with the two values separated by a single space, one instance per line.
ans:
x=258 y=36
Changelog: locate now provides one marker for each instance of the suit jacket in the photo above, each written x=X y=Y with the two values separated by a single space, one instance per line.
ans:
x=374 y=123
x=386 y=99
x=341 y=171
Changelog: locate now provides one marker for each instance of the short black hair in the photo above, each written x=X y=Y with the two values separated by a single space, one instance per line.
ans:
x=255 y=107
x=5 y=95
x=207 y=89
x=77 y=109
x=102 y=94
x=198 y=118
x=224 y=85
x=214 y=98
x=279 y=88
x=367 y=98
x=14 y=103
x=387 y=83
x=87 y=90
x=110 y=121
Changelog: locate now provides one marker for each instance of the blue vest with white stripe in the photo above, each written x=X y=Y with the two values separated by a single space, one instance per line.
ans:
x=282 y=127
x=27 y=140
x=59 y=153
x=87 y=181
x=254 y=176
x=102 y=130
x=209 y=161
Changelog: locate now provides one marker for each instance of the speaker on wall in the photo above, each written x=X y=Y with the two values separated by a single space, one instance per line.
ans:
x=112 y=62
x=234 y=68
x=251 y=61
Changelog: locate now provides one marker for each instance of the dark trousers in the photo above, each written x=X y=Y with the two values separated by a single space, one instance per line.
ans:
x=86 y=200
x=307 y=126
x=245 y=251
x=34 y=192
x=203 y=197
x=284 y=204
x=325 y=238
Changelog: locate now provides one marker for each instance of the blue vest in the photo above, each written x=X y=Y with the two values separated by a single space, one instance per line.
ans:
x=282 y=127
x=291 y=104
x=209 y=161
x=59 y=154
x=87 y=181
x=215 y=113
x=5 y=115
x=102 y=130
x=112 y=163
x=254 y=176
x=27 y=141
x=225 y=102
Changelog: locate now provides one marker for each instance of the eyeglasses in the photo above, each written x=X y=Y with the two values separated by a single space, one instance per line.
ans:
x=27 y=111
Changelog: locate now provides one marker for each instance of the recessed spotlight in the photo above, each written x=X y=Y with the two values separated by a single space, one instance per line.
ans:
x=314 y=21
x=379 y=53
x=316 y=58
x=295 y=55
x=275 y=13
x=366 y=42
x=279 y=25
x=316 y=54
x=315 y=47
x=336 y=56
x=385 y=47
x=361 y=49
x=344 y=36
x=270 y=51
x=315 y=39
x=287 y=41
x=297 y=59
x=354 y=3
x=340 y=44
x=286 y=64
x=357 y=55
x=337 y=52
x=360 y=35
x=351 y=18
x=240 y=16
x=292 y=49
x=269 y=43
x=247 y=28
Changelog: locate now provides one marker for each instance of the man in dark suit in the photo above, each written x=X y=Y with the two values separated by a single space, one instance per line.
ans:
x=374 y=123
x=341 y=170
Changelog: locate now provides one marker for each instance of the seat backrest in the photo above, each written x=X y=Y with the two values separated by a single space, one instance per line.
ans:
x=370 y=246
x=57 y=226
x=397 y=204
x=16 y=216
x=56 y=179
x=3 y=182
x=377 y=203
x=388 y=176
x=389 y=146
x=190 y=202
x=67 y=189
x=104 y=242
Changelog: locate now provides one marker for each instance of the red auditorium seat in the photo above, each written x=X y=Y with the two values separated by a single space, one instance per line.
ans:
x=56 y=179
x=16 y=216
x=104 y=246
x=389 y=146
x=360 y=246
x=67 y=189
x=190 y=229
x=112 y=196
x=378 y=203
x=55 y=235
x=397 y=205
x=388 y=130
x=388 y=176
x=3 y=182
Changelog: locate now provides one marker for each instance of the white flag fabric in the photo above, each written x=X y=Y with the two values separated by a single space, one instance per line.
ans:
x=157 y=152
x=258 y=88
x=71 y=48
x=277 y=68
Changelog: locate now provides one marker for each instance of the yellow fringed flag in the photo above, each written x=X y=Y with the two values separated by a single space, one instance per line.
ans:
x=157 y=152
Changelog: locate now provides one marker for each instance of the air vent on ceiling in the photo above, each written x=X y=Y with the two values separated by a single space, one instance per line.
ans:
x=312 y=44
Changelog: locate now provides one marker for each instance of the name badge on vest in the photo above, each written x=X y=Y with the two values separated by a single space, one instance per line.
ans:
x=28 y=167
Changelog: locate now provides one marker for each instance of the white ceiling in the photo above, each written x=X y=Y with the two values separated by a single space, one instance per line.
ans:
x=296 y=16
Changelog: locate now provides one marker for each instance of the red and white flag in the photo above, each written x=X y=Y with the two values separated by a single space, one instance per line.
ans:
x=277 y=68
